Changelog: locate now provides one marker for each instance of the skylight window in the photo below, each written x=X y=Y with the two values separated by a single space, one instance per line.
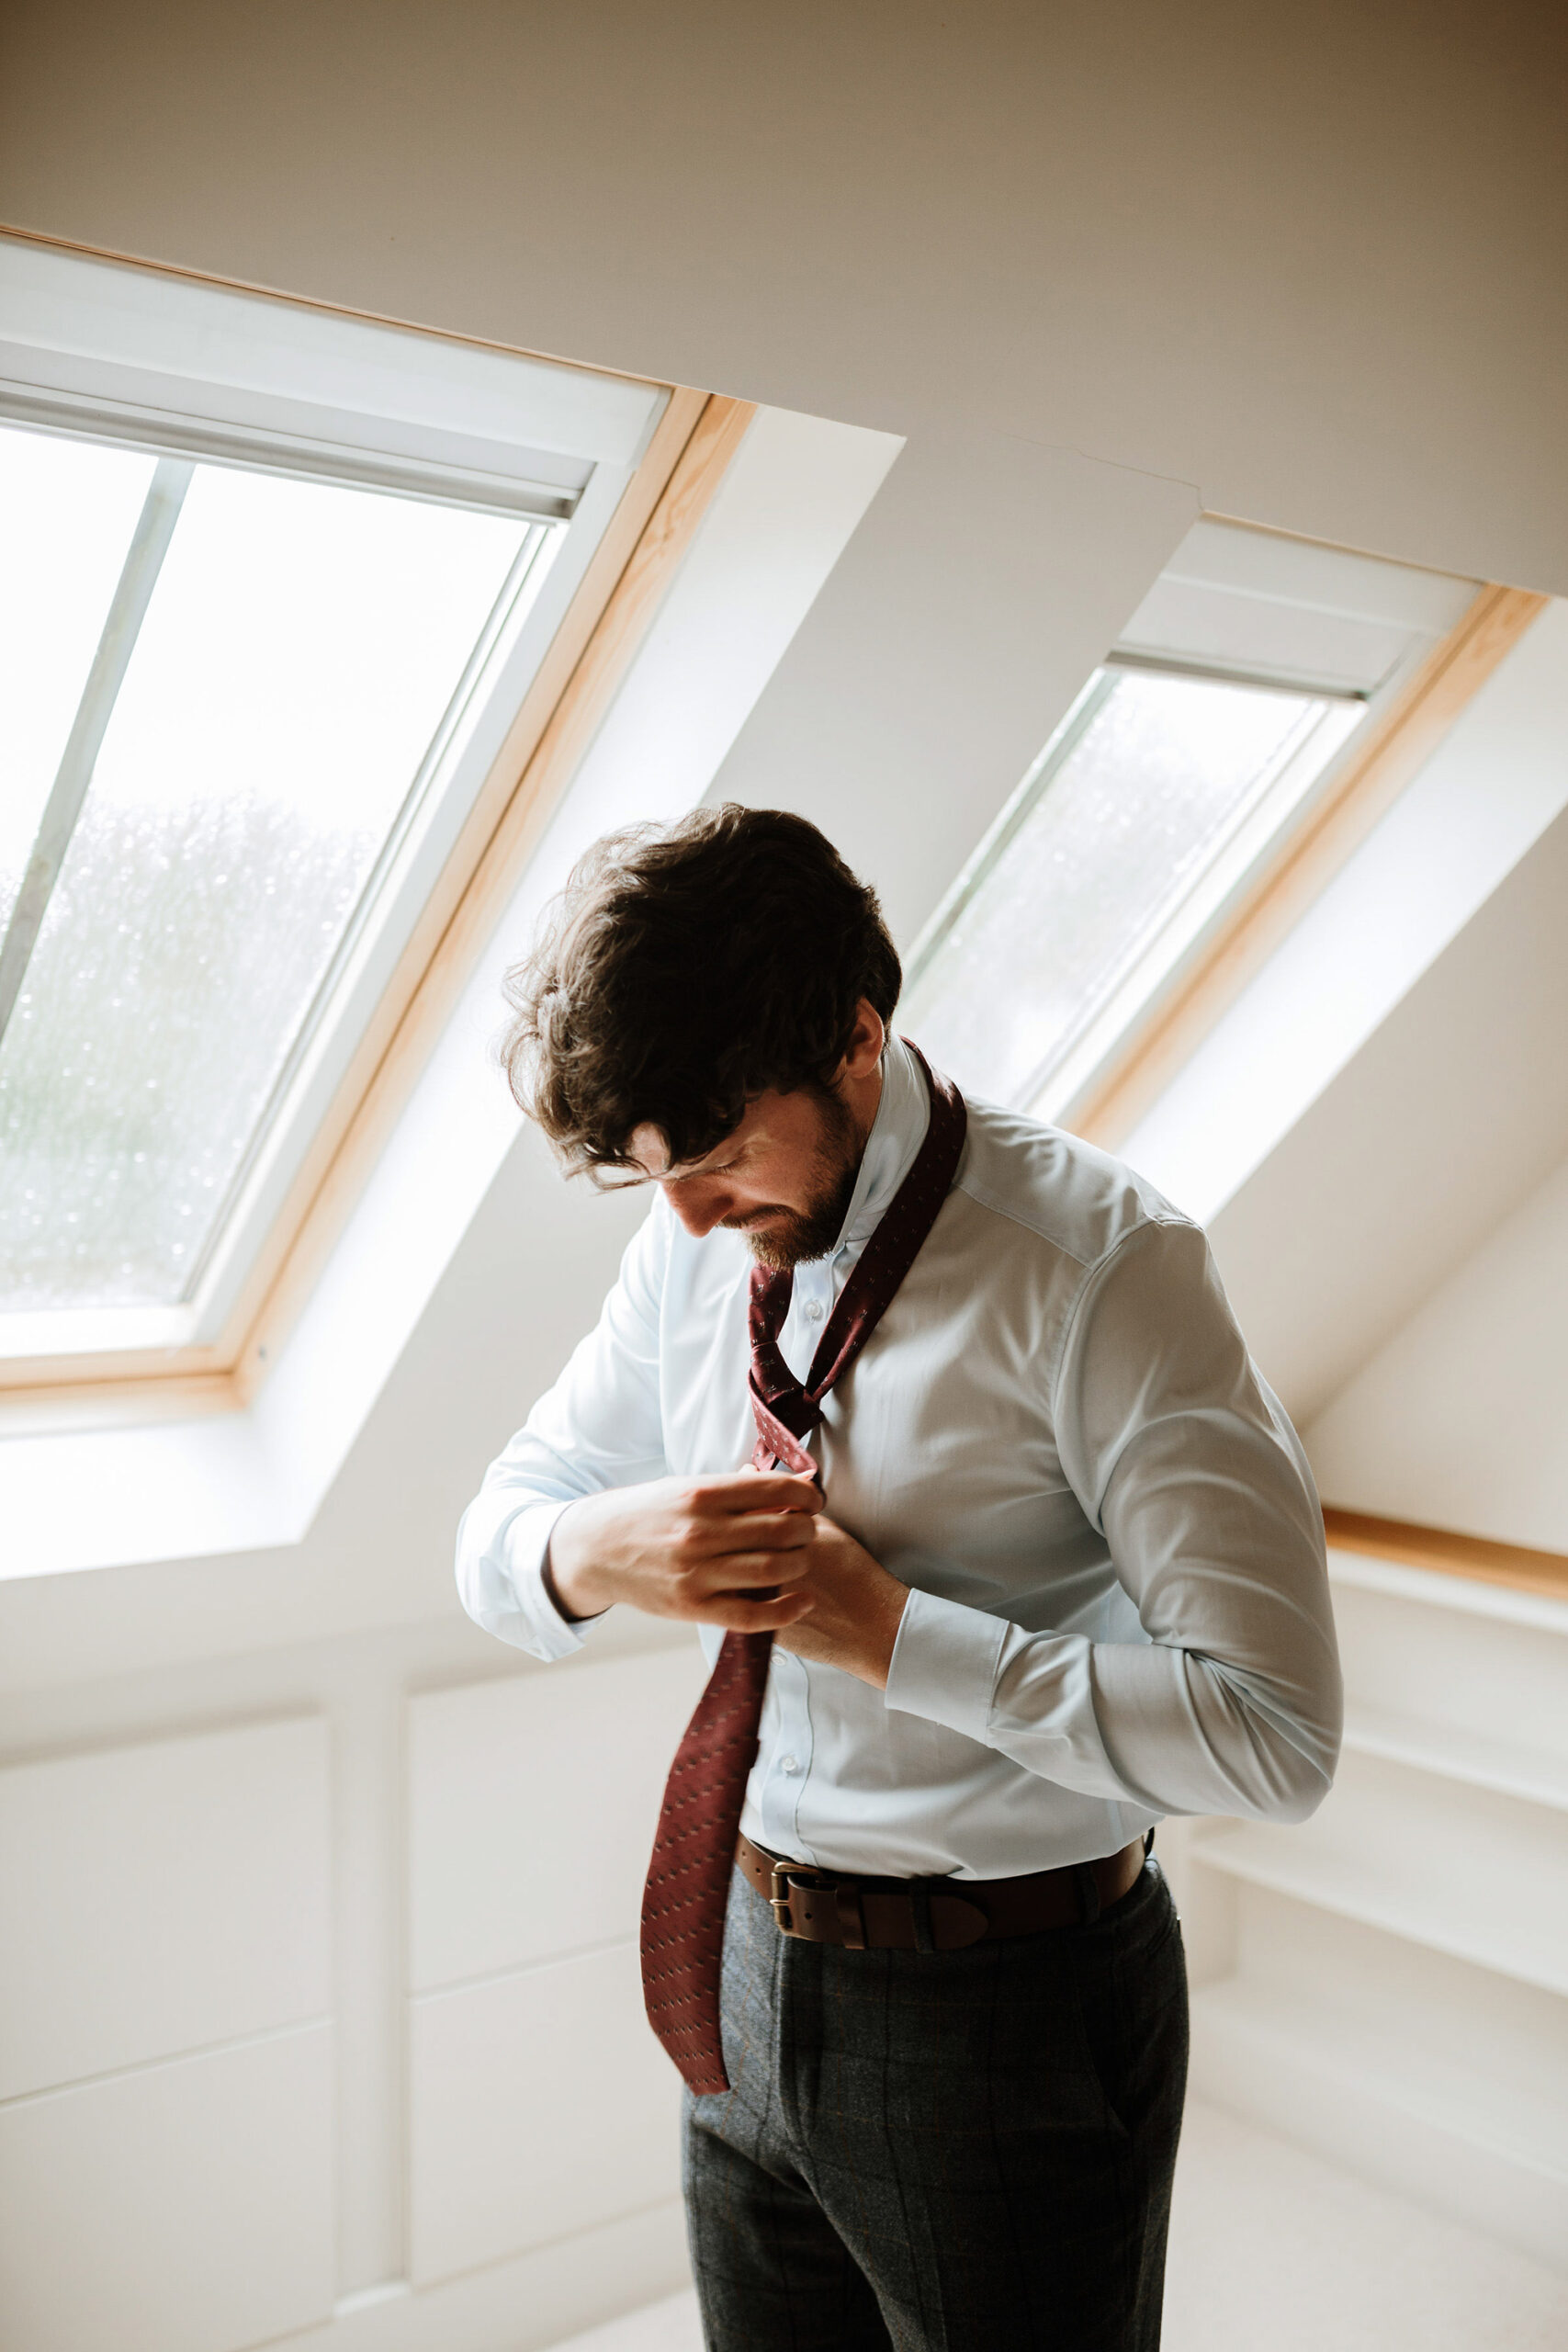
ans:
x=231 y=694
x=1190 y=753
x=275 y=585
x=1100 y=866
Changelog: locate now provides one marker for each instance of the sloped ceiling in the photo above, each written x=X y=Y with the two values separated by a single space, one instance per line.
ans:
x=1309 y=261
x=1451 y=1115
x=946 y=646
x=1301 y=267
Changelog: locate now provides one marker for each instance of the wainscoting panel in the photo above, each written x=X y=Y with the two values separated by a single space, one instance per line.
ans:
x=180 y=2208
x=540 y=2104
x=531 y=1804
x=162 y=1898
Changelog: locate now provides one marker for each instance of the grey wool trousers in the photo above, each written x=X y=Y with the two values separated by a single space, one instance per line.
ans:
x=943 y=2152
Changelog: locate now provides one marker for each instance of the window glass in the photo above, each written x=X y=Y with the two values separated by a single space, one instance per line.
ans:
x=1090 y=867
x=277 y=724
x=69 y=509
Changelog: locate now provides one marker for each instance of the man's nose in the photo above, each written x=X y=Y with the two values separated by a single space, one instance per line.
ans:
x=699 y=1208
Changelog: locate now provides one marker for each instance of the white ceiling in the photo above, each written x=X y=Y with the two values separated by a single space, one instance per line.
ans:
x=1308 y=261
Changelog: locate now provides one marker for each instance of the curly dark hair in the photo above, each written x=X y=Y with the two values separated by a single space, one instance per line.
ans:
x=684 y=970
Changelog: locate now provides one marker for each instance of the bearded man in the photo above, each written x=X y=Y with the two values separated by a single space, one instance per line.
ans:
x=936 y=1422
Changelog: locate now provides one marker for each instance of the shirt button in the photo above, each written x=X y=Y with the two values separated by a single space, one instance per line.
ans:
x=789 y=1764
x=814 y=1310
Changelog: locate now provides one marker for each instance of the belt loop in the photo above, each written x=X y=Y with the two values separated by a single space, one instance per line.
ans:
x=920 y=1905
x=1089 y=1892
x=852 y=1919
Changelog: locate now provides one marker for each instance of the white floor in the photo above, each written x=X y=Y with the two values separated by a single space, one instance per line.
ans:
x=1273 y=2251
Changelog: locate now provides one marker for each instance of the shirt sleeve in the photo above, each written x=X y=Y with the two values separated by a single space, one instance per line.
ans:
x=1183 y=1459
x=600 y=1426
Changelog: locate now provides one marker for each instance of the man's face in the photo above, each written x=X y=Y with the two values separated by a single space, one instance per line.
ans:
x=784 y=1177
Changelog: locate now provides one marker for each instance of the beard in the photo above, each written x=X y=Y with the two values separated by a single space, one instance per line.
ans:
x=796 y=1236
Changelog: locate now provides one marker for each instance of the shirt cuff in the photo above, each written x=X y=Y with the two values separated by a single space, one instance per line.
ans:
x=945 y=1663
x=532 y=1622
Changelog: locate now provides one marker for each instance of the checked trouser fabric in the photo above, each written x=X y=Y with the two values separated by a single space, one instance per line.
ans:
x=688 y=1878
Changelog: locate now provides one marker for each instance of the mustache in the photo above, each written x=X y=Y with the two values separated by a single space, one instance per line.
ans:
x=784 y=1237
x=802 y=1235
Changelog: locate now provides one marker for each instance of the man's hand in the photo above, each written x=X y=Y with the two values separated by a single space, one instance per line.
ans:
x=733 y=1551
x=856 y=1608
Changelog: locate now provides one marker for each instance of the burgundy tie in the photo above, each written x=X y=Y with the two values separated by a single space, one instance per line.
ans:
x=688 y=1878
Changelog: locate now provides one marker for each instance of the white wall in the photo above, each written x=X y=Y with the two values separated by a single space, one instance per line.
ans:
x=1450 y=1114
x=1460 y=1419
x=413 y=2077
x=166 y=2108
x=320 y=1994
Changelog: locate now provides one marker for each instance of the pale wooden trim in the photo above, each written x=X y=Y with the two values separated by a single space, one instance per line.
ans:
x=609 y=617
x=1448 y=1554
x=69 y=1409
x=1397 y=744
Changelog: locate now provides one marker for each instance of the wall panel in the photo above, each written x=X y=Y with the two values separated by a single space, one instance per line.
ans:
x=540 y=2104
x=185 y=2208
x=160 y=1898
x=532 y=1805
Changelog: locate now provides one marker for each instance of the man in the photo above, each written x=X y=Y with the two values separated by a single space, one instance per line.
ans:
x=1043 y=1563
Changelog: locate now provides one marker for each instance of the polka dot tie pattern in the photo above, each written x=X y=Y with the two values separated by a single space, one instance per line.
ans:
x=688 y=1878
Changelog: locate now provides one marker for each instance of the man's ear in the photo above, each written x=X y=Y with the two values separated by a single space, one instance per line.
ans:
x=867 y=1043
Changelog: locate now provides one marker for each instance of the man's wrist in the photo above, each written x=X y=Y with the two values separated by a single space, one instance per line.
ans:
x=883 y=1635
x=564 y=1579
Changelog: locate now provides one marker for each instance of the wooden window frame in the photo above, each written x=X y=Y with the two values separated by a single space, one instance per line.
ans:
x=604 y=626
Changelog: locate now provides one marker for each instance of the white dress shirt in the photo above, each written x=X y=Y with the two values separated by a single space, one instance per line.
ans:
x=1117 y=1596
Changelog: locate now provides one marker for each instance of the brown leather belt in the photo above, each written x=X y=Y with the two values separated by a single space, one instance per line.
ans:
x=934 y=1914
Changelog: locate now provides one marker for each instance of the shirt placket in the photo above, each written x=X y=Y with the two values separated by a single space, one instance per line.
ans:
x=817 y=1288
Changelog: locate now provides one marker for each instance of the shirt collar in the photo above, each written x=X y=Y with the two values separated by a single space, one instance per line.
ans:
x=896 y=1134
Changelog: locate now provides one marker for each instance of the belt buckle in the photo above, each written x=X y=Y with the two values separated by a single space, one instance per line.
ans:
x=786 y=1875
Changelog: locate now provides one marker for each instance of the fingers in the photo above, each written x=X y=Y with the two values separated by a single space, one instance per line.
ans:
x=705 y=1533
x=783 y=1530
x=740 y=1616
x=732 y=1571
x=756 y=1490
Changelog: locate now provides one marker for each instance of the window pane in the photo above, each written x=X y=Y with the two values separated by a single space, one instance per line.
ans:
x=301 y=647
x=67 y=513
x=1126 y=824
